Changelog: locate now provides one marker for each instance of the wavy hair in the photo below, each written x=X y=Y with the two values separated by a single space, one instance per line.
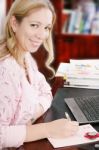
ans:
x=20 y=9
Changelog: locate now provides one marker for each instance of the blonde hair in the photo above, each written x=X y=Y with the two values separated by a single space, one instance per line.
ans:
x=19 y=9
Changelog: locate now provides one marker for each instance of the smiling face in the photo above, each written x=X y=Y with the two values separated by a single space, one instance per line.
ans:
x=33 y=30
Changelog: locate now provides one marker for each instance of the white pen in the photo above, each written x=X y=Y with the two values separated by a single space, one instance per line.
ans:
x=96 y=146
x=67 y=116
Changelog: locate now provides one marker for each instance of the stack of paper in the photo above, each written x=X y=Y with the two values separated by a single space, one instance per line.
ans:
x=84 y=73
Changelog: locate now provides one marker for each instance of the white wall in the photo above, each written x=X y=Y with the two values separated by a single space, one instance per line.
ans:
x=2 y=13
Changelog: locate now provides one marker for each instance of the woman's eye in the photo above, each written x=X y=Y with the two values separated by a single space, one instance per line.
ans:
x=48 y=28
x=34 y=25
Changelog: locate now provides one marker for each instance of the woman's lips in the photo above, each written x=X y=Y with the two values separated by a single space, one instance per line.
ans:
x=35 y=43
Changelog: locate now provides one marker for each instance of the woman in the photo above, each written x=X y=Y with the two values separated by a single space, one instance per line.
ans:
x=24 y=93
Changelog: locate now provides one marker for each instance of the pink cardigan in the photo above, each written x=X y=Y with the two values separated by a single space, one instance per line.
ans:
x=18 y=99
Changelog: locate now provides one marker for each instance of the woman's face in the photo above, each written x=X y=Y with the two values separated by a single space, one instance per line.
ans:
x=33 y=30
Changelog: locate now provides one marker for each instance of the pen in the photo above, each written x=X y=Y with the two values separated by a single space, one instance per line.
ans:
x=96 y=146
x=67 y=116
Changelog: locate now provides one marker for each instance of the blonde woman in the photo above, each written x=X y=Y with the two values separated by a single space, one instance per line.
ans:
x=24 y=93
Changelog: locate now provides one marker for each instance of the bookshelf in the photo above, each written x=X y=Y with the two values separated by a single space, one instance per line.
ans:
x=72 y=46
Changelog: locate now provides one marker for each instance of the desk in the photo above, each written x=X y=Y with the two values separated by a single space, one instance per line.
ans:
x=57 y=111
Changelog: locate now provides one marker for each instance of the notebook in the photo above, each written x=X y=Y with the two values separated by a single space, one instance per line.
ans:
x=85 y=109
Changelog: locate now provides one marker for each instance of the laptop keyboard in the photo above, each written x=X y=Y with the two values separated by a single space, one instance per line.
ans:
x=89 y=106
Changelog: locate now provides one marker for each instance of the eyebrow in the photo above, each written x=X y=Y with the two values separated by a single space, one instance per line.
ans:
x=40 y=23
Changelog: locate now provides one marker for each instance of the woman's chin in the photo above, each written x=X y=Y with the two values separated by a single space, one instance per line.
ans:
x=33 y=50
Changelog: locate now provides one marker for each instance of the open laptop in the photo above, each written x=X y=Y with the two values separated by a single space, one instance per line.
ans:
x=85 y=109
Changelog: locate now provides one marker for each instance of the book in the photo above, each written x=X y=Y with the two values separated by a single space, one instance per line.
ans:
x=78 y=23
x=88 y=9
x=77 y=139
x=66 y=18
x=75 y=25
x=72 y=22
x=81 y=73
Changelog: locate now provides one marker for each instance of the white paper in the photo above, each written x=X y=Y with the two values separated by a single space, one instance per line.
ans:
x=76 y=139
x=62 y=69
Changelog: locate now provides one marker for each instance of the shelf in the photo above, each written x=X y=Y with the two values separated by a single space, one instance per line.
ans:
x=76 y=35
x=70 y=45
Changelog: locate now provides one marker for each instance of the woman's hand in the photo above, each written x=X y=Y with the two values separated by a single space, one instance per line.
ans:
x=61 y=128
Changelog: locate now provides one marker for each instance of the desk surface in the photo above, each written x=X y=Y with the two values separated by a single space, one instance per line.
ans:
x=57 y=111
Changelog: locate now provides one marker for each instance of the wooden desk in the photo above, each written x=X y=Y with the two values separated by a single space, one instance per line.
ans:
x=44 y=145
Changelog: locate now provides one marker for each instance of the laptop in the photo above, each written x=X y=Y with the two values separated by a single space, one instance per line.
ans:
x=85 y=109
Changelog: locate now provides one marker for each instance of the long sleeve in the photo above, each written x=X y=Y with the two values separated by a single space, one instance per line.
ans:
x=9 y=96
x=10 y=137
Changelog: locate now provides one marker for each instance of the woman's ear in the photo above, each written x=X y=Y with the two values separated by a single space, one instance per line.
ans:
x=13 y=23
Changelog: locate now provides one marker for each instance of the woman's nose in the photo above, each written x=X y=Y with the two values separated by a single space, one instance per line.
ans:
x=41 y=34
